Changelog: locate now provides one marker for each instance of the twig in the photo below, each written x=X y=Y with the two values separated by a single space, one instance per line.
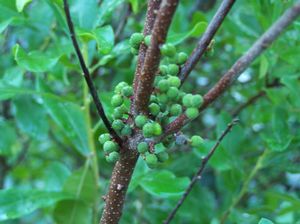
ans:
x=152 y=58
x=241 y=64
x=87 y=76
x=199 y=173
x=206 y=38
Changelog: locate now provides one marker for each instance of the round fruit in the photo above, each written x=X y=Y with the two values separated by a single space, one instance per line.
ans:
x=174 y=81
x=126 y=131
x=153 y=98
x=176 y=109
x=134 y=51
x=117 y=114
x=117 y=124
x=136 y=39
x=120 y=86
x=110 y=146
x=113 y=157
x=168 y=50
x=127 y=91
x=116 y=100
x=147 y=40
x=142 y=147
x=104 y=138
x=163 y=69
x=187 y=100
x=173 y=69
x=162 y=98
x=192 y=112
x=140 y=120
x=181 y=58
x=148 y=130
x=157 y=130
x=154 y=109
x=162 y=156
x=196 y=141
x=172 y=92
x=163 y=85
x=196 y=100
x=151 y=159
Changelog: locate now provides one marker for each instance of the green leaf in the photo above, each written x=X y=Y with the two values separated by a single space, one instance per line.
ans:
x=134 y=5
x=31 y=118
x=263 y=68
x=107 y=9
x=164 y=184
x=196 y=31
x=72 y=212
x=8 y=138
x=34 y=61
x=15 y=203
x=105 y=39
x=265 y=221
x=21 y=4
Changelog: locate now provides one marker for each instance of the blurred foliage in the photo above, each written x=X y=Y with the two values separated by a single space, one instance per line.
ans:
x=51 y=163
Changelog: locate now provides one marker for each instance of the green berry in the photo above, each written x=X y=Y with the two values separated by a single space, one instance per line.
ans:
x=163 y=69
x=192 y=112
x=104 y=138
x=134 y=51
x=157 y=130
x=157 y=80
x=110 y=146
x=126 y=131
x=158 y=148
x=154 y=109
x=181 y=58
x=140 y=120
x=196 y=141
x=142 y=147
x=162 y=156
x=113 y=157
x=148 y=130
x=176 y=109
x=187 y=100
x=127 y=91
x=147 y=40
x=120 y=86
x=153 y=98
x=173 y=69
x=116 y=100
x=172 y=92
x=163 y=85
x=136 y=39
x=117 y=124
x=162 y=98
x=151 y=159
x=118 y=113
x=196 y=100
x=174 y=81
x=168 y=50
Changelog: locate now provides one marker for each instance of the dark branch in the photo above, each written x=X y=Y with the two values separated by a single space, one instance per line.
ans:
x=241 y=64
x=199 y=173
x=152 y=58
x=87 y=76
x=206 y=38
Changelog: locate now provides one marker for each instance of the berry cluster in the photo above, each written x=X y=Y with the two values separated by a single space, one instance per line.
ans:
x=166 y=103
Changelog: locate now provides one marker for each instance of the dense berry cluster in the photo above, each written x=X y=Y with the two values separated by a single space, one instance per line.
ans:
x=166 y=103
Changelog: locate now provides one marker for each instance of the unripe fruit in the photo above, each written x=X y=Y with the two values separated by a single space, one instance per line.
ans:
x=126 y=131
x=140 y=120
x=163 y=69
x=148 y=130
x=162 y=98
x=110 y=146
x=181 y=58
x=176 y=109
x=168 y=50
x=104 y=138
x=120 y=86
x=157 y=130
x=136 y=39
x=196 y=141
x=197 y=100
x=172 y=92
x=117 y=124
x=147 y=40
x=163 y=85
x=153 y=98
x=113 y=157
x=116 y=100
x=142 y=147
x=117 y=114
x=187 y=100
x=173 y=69
x=127 y=91
x=162 y=156
x=159 y=148
x=134 y=51
x=192 y=112
x=157 y=80
x=154 y=109
x=151 y=159
x=174 y=81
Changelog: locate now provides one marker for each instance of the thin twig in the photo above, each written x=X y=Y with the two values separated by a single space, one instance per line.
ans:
x=87 y=76
x=199 y=173
x=240 y=65
x=152 y=58
x=206 y=38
